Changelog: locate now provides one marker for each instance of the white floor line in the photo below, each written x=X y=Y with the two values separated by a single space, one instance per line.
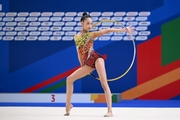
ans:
x=56 y=113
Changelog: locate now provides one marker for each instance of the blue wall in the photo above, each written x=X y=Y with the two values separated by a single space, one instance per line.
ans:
x=24 y=64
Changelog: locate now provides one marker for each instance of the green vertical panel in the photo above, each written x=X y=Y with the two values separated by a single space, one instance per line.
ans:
x=114 y=99
x=171 y=41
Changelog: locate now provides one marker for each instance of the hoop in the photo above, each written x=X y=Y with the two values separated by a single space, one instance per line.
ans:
x=134 y=46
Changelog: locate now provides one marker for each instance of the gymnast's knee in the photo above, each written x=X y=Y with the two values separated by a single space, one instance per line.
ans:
x=69 y=80
x=104 y=85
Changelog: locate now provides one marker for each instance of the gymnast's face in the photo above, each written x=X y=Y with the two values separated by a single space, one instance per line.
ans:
x=87 y=24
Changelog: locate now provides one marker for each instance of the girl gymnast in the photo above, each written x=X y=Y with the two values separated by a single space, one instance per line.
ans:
x=90 y=60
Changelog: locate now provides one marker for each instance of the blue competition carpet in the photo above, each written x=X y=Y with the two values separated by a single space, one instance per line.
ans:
x=124 y=103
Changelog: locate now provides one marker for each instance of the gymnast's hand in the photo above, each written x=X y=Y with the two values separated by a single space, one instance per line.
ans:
x=129 y=29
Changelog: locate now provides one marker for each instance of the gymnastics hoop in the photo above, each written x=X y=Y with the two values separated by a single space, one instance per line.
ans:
x=134 y=54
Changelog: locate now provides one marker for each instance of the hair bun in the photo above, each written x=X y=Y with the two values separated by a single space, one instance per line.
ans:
x=85 y=13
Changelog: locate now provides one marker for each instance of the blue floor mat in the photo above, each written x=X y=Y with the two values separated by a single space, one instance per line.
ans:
x=124 y=103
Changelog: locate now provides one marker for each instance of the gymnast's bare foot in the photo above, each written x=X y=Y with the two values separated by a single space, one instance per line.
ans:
x=68 y=109
x=109 y=114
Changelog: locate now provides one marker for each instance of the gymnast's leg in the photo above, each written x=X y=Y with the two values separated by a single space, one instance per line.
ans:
x=100 y=67
x=79 y=73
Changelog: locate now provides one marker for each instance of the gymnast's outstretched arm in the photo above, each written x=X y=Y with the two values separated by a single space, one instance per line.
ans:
x=105 y=31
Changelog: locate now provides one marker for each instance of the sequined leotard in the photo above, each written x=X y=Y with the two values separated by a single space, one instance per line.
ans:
x=84 y=45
